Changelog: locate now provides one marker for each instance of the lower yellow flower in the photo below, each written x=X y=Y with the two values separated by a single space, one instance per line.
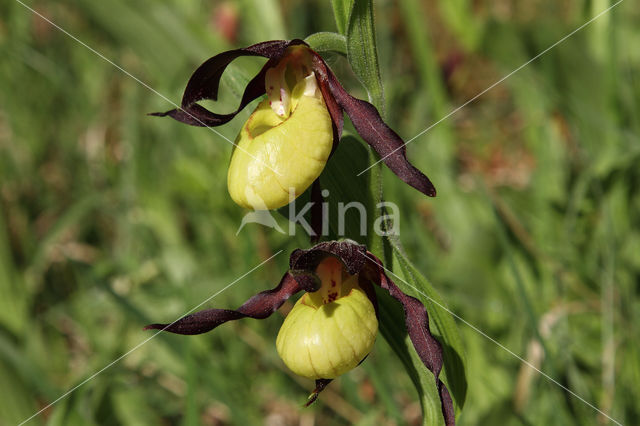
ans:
x=330 y=331
x=333 y=326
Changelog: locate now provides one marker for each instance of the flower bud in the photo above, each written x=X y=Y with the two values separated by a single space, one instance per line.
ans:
x=330 y=331
x=285 y=144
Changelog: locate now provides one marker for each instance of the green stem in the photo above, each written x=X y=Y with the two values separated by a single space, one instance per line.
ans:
x=362 y=51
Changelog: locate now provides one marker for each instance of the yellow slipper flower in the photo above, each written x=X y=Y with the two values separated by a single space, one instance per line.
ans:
x=285 y=144
x=333 y=326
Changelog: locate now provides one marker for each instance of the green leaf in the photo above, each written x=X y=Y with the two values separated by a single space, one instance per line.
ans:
x=341 y=11
x=363 y=58
x=344 y=186
x=395 y=333
x=328 y=42
x=339 y=177
x=362 y=51
x=443 y=327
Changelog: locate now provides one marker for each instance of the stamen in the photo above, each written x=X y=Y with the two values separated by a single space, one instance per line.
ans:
x=291 y=72
x=310 y=85
x=278 y=92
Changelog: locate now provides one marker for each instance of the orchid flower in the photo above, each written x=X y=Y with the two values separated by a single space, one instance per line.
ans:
x=286 y=142
x=333 y=326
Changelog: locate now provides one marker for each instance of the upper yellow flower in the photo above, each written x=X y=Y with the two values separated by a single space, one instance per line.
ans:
x=285 y=144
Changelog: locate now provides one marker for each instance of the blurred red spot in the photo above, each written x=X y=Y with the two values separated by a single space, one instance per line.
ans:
x=225 y=20
x=41 y=29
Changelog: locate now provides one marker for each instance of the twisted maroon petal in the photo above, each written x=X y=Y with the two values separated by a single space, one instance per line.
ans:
x=205 y=82
x=417 y=321
x=380 y=137
x=197 y=115
x=259 y=306
x=322 y=72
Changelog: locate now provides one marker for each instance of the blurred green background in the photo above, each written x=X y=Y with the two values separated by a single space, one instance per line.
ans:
x=111 y=219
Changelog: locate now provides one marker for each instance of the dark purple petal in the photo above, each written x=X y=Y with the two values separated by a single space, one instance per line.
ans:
x=197 y=115
x=308 y=281
x=322 y=71
x=350 y=253
x=380 y=137
x=320 y=385
x=259 y=306
x=205 y=82
x=367 y=287
x=417 y=322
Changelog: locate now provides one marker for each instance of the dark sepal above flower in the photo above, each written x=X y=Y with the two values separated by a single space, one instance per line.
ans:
x=204 y=84
x=313 y=271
